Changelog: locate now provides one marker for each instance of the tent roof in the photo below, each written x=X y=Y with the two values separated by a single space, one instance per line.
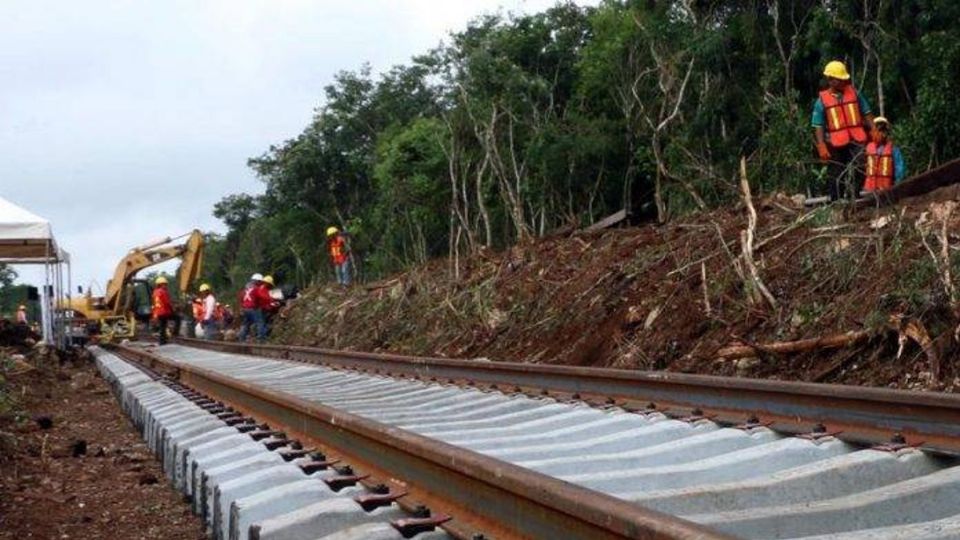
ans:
x=25 y=238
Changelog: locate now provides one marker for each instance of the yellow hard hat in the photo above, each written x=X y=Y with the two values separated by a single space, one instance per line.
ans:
x=22 y=306
x=268 y=279
x=332 y=231
x=205 y=287
x=881 y=120
x=162 y=280
x=836 y=70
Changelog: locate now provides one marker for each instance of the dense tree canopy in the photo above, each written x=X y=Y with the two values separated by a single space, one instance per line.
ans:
x=522 y=124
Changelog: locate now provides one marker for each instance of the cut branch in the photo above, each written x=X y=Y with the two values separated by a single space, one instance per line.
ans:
x=757 y=291
x=836 y=341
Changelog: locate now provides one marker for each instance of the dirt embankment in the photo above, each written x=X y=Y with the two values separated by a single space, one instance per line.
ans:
x=878 y=284
x=71 y=466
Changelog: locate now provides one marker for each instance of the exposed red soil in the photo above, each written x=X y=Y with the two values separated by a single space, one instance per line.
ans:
x=115 y=490
x=636 y=298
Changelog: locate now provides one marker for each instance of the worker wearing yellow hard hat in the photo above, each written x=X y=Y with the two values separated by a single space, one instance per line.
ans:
x=339 y=255
x=258 y=305
x=841 y=119
x=207 y=321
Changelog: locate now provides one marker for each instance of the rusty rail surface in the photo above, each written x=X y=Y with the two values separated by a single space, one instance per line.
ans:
x=498 y=498
x=930 y=420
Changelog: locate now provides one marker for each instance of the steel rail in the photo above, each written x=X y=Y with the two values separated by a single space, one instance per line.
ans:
x=864 y=415
x=510 y=501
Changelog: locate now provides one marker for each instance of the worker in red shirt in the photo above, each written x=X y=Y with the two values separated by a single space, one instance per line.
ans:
x=270 y=305
x=162 y=309
x=339 y=255
x=254 y=300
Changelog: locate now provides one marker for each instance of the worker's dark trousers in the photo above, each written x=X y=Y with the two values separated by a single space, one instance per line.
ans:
x=162 y=325
x=844 y=172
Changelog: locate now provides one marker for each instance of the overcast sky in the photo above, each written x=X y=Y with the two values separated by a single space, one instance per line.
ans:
x=125 y=121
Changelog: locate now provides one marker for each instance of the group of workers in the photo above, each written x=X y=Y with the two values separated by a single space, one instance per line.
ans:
x=209 y=315
x=845 y=130
x=259 y=307
x=258 y=304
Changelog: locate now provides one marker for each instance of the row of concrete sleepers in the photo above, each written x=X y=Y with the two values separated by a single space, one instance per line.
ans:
x=243 y=488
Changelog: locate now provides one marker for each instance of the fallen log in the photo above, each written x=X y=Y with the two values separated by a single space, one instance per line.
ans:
x=608 y=221
x=920 y=184
x=835 y=341
x=907 y=330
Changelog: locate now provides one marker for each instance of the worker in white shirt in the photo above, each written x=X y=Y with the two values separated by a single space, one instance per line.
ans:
x=209 y=320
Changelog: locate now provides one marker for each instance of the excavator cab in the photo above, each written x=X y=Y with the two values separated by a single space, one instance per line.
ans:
x=138 y=299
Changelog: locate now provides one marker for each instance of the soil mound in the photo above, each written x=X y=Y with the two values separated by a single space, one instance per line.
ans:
x=864 y=295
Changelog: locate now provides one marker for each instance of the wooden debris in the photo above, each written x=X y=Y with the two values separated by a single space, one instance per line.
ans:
x=757 y=291
x=788 y=347
x=921 y=184
x=608 y=221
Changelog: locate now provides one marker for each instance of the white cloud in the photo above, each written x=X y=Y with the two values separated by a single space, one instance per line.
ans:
x=123 y=120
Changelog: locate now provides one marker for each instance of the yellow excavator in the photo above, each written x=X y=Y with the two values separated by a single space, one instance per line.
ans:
x=126 y=299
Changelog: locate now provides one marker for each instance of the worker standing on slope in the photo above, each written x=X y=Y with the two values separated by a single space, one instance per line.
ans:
x=162 y=310
x=885 y=164
x=339 y=255
x=252 y=301
x=22 y=315
x=209 y=314
x=841 y=118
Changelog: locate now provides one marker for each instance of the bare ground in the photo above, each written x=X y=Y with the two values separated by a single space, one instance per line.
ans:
x=49 y=490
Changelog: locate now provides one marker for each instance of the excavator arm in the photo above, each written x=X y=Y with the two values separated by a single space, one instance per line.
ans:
x=139 y=258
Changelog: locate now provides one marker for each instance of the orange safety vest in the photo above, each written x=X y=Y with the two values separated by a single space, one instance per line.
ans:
x=338 y=250
x=844 y=120
x=198 y=310
x=880 y=171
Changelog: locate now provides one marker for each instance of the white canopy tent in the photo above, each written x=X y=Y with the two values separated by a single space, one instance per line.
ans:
x=26 y=238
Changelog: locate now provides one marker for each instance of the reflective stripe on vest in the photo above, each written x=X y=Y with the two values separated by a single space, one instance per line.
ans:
x=880 y=167
x=844 y=120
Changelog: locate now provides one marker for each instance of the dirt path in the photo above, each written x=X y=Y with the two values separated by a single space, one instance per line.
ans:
x=114 y=490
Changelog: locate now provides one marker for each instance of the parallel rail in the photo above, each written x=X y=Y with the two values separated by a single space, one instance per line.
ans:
x=861 y=415
x=483 y=494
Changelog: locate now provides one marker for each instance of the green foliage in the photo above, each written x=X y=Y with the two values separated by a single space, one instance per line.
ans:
x=519 y=125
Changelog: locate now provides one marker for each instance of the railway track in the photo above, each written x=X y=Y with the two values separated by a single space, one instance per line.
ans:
x=514 y=450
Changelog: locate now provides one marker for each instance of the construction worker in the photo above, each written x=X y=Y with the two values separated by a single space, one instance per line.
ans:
x=162 y=309
x=339 y=255
x=255 y=296
x=885 y=164
x=22 y=315
x=196 y=306
x=208 y=318
x=225 y=314
x=269 y=304
x=841 y=119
